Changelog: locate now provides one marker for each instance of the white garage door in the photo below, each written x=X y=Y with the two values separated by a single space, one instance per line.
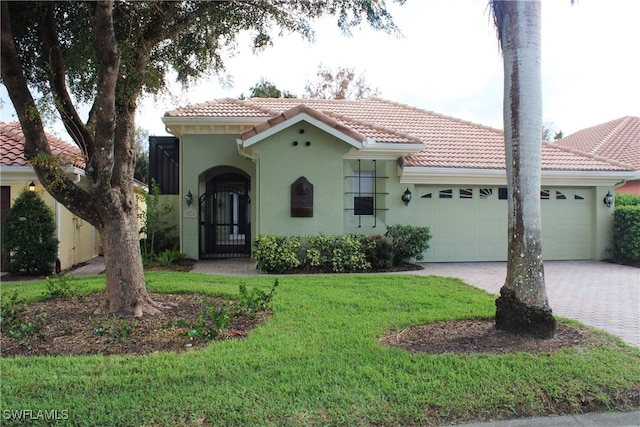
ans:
x=470 y=223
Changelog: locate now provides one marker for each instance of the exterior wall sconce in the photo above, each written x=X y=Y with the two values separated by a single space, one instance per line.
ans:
x=406 y=197
x=608 y=199
x=188 y=198
x=32 y=186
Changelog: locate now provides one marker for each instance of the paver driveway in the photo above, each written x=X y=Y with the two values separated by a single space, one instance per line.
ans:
x=599 y=294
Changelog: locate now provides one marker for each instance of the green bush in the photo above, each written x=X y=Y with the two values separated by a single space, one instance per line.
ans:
x=316 y=251
x=409 y=242
x=626 y=233
x=276 y=254
x=112 y=329
x=28 y=236
x=255 y=300
x=378 y=250
x=15 y=324
x=61 y=286
x=349 y=252
x=157 y=227
x=348 y=255
x=170 y=256
x=627 y=199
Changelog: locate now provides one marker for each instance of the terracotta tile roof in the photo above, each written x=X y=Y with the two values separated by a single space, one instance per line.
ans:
x=226 y=107
x=352 y=128
x=618 y=140
x=12 y=147
x=450 y=142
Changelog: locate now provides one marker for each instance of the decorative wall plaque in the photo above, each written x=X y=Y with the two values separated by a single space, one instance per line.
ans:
x=302 y=198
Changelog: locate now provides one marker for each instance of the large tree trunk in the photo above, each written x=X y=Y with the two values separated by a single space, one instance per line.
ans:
x=126 y=292
x=106 y=140
x=523 y=306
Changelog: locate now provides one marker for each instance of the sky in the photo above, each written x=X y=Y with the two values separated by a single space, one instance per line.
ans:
x=447 y=61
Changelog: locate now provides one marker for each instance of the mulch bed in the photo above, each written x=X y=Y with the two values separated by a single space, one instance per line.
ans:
x=481 y=336
x=73 y=328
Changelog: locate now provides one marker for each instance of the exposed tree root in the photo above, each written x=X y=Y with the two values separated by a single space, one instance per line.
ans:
x=144 y=305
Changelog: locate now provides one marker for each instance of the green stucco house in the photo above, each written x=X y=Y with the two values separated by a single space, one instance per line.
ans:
x=240 y=168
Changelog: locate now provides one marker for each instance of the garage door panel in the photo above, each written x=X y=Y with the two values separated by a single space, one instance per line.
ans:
x=475 y=229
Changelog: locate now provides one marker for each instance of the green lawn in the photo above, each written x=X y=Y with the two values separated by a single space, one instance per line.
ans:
x=317 y=361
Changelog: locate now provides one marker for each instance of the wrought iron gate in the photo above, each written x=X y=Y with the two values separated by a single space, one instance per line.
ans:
x=225 y=218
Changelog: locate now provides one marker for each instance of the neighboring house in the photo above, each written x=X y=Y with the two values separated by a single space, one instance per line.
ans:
x=616 y=140
x=79 y=241
x=241 y=168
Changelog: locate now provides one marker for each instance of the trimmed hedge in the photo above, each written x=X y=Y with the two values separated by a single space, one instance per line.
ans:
x=626 y=233
x=627 y=199
x=339 y=254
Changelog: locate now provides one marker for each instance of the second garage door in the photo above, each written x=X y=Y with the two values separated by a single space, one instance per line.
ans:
x=470 y=223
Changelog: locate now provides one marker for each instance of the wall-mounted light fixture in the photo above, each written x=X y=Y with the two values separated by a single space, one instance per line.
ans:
x=608 y=199
x=188 y=198
x=32 y=186
x=406 y=197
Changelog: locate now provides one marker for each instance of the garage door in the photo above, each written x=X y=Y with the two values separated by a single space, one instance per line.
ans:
x=567 y=229
x=470 y=223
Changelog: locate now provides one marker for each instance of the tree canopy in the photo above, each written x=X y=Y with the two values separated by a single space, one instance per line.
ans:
x=106 y=54
x=266 y=89
x=341 y=84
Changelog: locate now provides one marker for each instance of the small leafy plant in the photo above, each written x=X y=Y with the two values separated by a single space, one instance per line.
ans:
x=60 y=286
x=212 y=320
x=210 y=323
x=14 y=322
x=169 y=256
x=112 y=330
x=255 y=300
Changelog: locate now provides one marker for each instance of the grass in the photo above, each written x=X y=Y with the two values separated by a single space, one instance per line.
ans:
x=318 y=362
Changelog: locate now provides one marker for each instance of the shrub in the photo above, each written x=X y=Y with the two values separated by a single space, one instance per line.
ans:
x=348 y=255
x=627 y=199
x=28 y=236
x=61 y=286
x=112 y=329
x=378 y=251
x=409 y=242
x=626 y=233
x=156 y=224
x=319 y=250
x=255 y=300
x=276 y=254
x=169 y=256
x=15 y=324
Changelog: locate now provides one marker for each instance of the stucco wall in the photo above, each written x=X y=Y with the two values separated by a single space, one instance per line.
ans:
x=318 y=157
x=199 y=156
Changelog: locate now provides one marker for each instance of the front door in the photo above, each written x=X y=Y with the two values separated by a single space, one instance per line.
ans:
x=225 y=218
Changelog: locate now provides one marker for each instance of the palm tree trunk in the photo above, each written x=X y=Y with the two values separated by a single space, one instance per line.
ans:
x=523 y=306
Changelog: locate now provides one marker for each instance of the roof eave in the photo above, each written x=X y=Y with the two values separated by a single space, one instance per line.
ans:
x=207 y=125
x=461 y=176
x=297 y=119
x=384 y=150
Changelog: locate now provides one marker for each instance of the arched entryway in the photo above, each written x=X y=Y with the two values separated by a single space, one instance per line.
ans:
x=225 y=217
